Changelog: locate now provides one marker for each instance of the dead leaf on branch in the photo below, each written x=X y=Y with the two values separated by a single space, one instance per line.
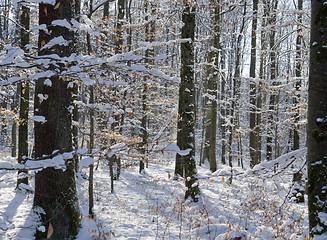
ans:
x=57 y=6
x=50 y=231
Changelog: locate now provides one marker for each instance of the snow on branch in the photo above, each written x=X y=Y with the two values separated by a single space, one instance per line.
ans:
x=176 y=149
x=116 y=148
x=76 y=66
x=55 y=160
x=295 y=158
x=55 y=41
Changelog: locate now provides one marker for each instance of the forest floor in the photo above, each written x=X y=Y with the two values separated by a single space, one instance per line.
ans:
x=256 y=205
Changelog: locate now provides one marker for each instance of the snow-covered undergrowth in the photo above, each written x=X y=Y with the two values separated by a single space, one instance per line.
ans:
x=257 y=205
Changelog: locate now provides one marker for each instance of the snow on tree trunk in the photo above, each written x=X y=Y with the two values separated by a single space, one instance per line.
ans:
x=185 y=165
x=211 y=128
x=55 y=189
x=273 y=98
x=298 y=71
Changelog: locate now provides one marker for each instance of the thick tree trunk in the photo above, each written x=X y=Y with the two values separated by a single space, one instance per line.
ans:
x=317 y=122
x=55 y=189
x=185 y=165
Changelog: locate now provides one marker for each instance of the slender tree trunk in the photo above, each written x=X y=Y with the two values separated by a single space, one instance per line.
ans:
x=91 y=143
x=298 y=71
x=261 y=97
x=149 y=31
x=3 y=136
x=235 y=89
x=254 y=148
x=211 y=128
x=317 y=122
x=222 y=121
x=273 y=99
x=55 y=189
x=76 y=113
x=24 y=100
x=91 y=147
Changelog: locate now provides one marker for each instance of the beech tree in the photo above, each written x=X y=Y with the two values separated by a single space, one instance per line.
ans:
x=55 y=189
x=185 y=165
x=317 y=122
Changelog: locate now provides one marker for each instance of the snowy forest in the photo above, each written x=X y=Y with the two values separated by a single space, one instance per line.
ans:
x=163 y=119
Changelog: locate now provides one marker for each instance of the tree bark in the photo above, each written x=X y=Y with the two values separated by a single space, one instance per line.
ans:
x=144 y=131
x=235 y=89
x=298 y=71
x=185 y=165
x=222 y=121
x=55 y=189
x=24 y=100
x=211 y=128
x=273 y=99
x=255 y=154
x=317 y=122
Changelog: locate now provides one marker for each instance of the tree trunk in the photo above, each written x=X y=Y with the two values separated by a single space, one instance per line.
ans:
x=91 y=147
x=254 y=148
x=235 y=88
x=222 y=121
x=55 y=189
x=317 y=122
x=211 y=128
x=298 y=71
x=149 y=31
x=273 y=99
x=185 y=165
x=14 y=107
x=24 y=100
x=91 y=143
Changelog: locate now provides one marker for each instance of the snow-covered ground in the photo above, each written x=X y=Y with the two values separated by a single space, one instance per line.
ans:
x=151 y=205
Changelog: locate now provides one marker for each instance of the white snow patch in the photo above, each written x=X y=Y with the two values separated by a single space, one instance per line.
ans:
x=85 y=162
x=55 y=41
x=70 y=85
x=43 y=27
x=62 y=23
x=37 y=118
x=48 y=82
x=41 y=228
x=42 y=97
x=176 y=149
